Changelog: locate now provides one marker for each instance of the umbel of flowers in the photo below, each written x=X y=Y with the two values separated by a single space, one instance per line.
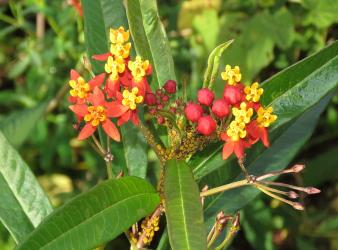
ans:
x=117 y=93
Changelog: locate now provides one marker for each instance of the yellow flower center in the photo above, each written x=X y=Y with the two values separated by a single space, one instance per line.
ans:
x=232 y=75
x=79 y=88
x=118 y=49
x=236 y=130
x=119 y=35
x=114 y=67
x=96 y=114
x=243 y=114
x=253 y=92
x=138 y=68
x=130 y=99
x=265 y=117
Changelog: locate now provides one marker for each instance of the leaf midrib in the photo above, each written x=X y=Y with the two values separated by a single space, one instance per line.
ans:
x=183 y=210
x=92 y=217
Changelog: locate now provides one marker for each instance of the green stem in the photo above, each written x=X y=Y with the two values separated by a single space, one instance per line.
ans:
x=225 y=188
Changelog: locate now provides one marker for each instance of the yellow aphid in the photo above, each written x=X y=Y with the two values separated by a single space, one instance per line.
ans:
x=96 y=115
x=119 y=35
x=232 y=75
x=80 y=88
x=243 y=114
x=138 y=68
x=265 y=117
x=253 y=92
x=236 y=130
x=114 y=67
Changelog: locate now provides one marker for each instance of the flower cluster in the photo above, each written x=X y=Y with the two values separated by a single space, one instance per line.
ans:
x=117 y=93
x=238 y=117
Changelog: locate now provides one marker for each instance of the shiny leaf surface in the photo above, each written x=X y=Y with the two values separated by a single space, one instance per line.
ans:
x=150 y=40
x=183 y=208
x=96 y=216
x=24 y=204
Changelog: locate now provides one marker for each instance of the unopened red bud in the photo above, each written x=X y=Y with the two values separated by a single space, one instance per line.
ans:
x=206 y=125
x=193 y=112
x=160 y=106
x=158 y=92
x=170 y=86
x=160 y=120
x=165 y=98
x=150 y=99
x=232 y=94
x=205 y=96
x=298 y=167
x=312 y=190
x=220 y=108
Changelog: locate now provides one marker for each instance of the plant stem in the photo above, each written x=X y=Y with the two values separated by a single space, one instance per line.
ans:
x=225 y=187
x=108 y=159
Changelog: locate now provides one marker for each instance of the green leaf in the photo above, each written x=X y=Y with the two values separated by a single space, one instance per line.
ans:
x=277 y=157
x=150 y=40
x=18 y=125
x=96 y=216
x=183 y=208
x=135 y=150
x=24 y=204
x=213 y=64
x=99 y=16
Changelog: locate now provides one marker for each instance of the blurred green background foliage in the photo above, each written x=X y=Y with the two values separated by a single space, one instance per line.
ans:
x=41 y=40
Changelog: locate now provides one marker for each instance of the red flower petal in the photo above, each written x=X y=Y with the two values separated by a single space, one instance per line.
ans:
x=97 y=98
x=72 y=99
x=224 y=136
x=115 y=109
x=228 y=149
x=126 y=78
x=134 y=118
x=74 y=74
x=111 y=130
x=112 y=87
x=87 y=131
x=239 y=147
x=124 y=118
x=101 y=57
x=97 y=81
x=265 y=137
x=79 y=109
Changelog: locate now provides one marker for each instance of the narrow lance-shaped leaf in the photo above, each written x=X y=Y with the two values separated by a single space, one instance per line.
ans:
x=183 y=208
x=18 y=125
x=135 y=150
x=211 y=71
x=96 y=216
x=24 y=204
x=150 y=39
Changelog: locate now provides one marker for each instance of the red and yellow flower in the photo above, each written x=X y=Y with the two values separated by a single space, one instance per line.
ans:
x=96 y=112
x=125 y=106
x=80 y=89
